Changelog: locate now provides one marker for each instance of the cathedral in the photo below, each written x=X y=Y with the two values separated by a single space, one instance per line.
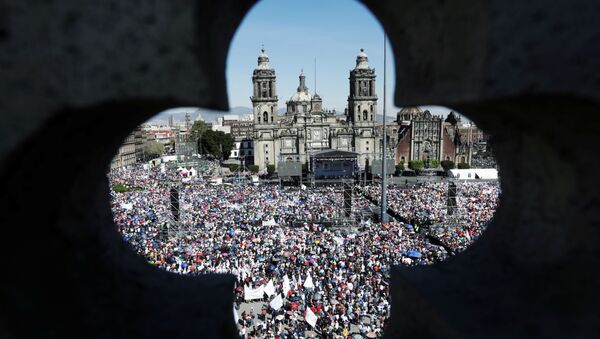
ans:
x=306 y=128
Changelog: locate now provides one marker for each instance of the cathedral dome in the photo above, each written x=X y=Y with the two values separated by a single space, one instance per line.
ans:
x=407 y=113
x=300 y=96
x=302 y=91
x=413 y=110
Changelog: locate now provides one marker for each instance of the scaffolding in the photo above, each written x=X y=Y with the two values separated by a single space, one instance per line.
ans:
x=176 y=228
x=348 y=188
x=456 y=213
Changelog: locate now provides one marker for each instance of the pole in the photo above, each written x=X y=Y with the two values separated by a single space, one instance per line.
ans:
x=384 y=217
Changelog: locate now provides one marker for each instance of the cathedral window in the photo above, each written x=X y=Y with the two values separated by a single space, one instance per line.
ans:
x=304 y=108
x=264 y=90
x=265 y=117
x=365 y=115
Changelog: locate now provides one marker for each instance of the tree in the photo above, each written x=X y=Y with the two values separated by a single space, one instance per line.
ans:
x=197 y=130
x=216 y=143
x=434 y=163
x=463 y=165
x=270 y=169
x=121 y=188
x=253 y=168
x=416 y=165
x=153 y=149
x=234 y=167
x=447 y=165
x=399 y=167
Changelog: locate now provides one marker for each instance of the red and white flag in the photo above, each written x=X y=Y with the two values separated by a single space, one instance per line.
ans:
x=310 y=317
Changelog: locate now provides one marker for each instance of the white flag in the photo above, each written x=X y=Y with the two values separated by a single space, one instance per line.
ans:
x=308 y=283
x=270 y=288
x=286 y=285
x=276 y=303
x=310 y=317
x=256 y=293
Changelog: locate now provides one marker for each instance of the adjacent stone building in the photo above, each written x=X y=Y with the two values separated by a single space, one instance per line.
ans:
x=306 y=128
x=427 y=137
x=130 y=151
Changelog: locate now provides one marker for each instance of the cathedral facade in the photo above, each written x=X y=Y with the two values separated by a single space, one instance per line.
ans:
x=306 y=128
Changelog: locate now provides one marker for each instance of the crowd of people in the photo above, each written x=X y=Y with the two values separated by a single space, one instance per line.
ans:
x=426 y=204
x=295 y=277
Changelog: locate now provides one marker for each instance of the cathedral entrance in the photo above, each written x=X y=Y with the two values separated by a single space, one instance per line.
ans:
x=426 y=159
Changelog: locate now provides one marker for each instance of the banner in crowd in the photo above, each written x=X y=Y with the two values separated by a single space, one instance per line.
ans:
x=286 y=285
x=276 y=303
x=308 y=283
x=252 y=294
x=270 y=288
x=310 y=317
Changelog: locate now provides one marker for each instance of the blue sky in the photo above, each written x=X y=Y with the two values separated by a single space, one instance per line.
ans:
x=294 y=33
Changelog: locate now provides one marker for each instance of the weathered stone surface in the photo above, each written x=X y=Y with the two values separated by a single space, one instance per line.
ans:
x=456 y=51
x=70 y=70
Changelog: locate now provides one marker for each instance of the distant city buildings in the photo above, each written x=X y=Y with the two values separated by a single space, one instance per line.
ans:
x=130 y=151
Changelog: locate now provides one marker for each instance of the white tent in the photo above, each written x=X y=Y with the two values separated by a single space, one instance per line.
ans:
x=473 y=173
x=486 y=173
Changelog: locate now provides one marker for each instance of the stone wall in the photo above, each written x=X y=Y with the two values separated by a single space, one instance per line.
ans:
x=524 y=71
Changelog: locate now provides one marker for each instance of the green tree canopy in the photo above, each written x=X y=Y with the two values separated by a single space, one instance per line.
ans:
x=153 y=149
x=447 y=165
x=400 y=167
x=416 y=165
x=463 y=165
x=270 y=169
x=216 y=143
x=197 y=130
x=253 y=168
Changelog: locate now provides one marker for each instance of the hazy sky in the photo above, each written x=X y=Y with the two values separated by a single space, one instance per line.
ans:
x=294 y=33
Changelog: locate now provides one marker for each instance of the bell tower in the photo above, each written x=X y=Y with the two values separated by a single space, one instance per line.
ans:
x=362 y=100
x=264 y=98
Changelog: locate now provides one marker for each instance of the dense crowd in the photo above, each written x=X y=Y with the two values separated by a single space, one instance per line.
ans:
x=339 y=278
x=426 y=204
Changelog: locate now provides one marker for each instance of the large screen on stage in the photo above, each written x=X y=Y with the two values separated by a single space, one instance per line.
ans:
x=334 y=168
x=289 y=169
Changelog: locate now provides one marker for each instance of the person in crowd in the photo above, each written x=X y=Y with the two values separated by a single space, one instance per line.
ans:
x=267 y=235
